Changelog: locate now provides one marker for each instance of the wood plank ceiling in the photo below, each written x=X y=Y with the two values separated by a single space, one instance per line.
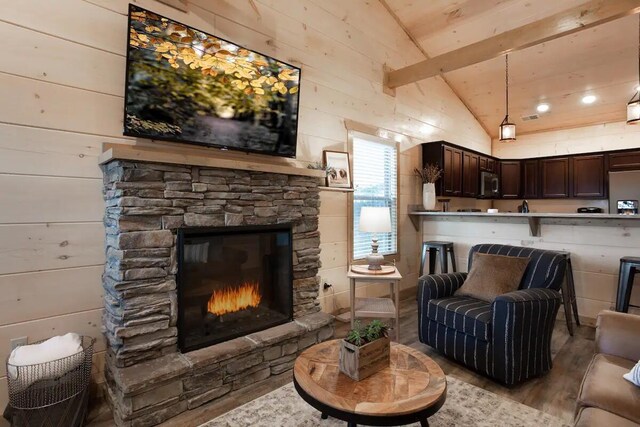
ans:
x=601 y=61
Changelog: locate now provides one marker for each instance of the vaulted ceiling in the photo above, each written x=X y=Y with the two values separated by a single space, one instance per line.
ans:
x=602 y=61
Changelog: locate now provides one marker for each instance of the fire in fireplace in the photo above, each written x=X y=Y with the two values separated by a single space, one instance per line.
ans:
x=232 y=281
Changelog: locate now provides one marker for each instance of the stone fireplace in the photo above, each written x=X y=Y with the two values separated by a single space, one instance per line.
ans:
x=210 y=284
x=232 y=281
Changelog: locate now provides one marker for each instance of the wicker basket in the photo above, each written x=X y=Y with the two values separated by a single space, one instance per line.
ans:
x=52 y=393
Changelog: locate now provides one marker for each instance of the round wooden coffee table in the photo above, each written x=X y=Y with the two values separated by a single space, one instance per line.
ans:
x=410 y=390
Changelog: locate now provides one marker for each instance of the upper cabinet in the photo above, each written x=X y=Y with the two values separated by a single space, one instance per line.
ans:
x=452 y=171
x=530 y=179
x=626 y=160
x=580 y=176
x=470 y=174
x=510 y=179
x=555 y=177
x=589 y=176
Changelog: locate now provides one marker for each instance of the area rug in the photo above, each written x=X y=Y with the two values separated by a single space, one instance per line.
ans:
x=466 y=405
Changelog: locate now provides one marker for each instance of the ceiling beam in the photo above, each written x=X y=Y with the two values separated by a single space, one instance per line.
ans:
x=579 y=18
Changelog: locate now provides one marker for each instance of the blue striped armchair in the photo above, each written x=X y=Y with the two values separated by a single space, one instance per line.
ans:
x=508 y=339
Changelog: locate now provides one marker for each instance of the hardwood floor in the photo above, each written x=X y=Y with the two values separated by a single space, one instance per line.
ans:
x=555 y=393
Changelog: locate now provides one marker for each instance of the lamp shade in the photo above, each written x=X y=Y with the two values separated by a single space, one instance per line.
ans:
x=375 y=219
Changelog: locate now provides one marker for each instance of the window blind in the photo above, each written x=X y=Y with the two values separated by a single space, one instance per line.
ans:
x=375 y=180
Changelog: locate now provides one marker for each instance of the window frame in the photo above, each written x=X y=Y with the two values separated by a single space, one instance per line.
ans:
x=371 y=133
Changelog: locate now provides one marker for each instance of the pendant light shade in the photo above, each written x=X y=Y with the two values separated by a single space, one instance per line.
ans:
x=633 y=107
x=507 y=130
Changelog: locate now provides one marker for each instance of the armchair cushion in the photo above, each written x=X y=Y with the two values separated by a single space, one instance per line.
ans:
x=603 y=387
x=468 y=315
x=493 y=275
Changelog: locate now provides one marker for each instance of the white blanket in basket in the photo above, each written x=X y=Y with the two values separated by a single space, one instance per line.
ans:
x=47 y=351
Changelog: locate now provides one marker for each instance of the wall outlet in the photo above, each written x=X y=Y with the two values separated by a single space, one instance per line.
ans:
x=15 y=342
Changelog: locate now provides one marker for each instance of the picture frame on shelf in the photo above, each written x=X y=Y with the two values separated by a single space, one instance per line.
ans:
x=338 y=167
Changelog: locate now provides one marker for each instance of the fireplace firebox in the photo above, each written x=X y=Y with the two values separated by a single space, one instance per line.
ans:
x=232 y=281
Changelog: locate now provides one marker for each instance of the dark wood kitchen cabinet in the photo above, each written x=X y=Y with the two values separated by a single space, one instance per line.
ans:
x=626 y=160
x=452 y=171
x=470 y=174
x=589 y=174
x=530 y=179
x=554 y=177
x=510 y=179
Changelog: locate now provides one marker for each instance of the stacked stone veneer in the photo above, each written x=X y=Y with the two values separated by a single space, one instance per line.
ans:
x=148 y=380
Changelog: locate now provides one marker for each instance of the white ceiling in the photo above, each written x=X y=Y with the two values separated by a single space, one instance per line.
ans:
x=602 y=61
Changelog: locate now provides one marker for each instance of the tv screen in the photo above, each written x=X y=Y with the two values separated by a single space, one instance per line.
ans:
x=186 y=85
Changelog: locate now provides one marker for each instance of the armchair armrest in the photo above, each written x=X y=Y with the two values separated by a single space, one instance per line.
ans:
x=528 y=295
x=434 y=286
x=618 y=334
x=522 y=327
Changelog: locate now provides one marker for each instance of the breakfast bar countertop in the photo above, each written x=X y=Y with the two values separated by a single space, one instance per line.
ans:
x=533 y=218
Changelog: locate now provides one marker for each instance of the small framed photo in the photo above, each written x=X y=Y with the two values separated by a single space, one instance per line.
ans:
x=338 y=169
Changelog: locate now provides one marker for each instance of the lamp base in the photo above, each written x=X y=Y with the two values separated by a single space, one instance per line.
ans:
x=375 y=261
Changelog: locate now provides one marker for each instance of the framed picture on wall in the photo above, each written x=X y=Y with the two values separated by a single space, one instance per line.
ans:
x=338 y=169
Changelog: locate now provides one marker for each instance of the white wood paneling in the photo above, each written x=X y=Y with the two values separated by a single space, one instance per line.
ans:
x=36 y=247
x=65 y=87
x=38 y=295
x=595 y=251
x=609 y=136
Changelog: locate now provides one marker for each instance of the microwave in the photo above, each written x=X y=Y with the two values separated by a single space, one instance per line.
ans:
x=489 y=185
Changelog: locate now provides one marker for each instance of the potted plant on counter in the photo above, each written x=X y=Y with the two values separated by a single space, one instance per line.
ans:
x=429 y=174
x=365 y=350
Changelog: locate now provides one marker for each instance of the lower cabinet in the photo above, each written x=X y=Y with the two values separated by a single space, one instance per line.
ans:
x=555 y=178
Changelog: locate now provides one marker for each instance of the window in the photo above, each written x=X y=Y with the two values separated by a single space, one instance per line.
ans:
x=375 y=181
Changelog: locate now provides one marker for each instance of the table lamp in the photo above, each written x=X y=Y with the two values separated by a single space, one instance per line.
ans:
x=375 y=220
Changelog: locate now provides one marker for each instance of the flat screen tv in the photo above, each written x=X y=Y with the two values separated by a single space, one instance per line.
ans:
x=185 y=85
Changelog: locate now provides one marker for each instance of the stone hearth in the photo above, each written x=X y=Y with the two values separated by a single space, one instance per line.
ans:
x=148 y=380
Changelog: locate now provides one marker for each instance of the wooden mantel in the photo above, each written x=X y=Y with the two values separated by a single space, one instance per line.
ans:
x=204 y=157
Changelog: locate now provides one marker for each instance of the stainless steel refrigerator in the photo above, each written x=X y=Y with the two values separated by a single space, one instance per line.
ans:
x=623 y=186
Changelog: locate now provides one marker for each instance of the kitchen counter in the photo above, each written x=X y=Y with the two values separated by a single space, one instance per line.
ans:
x=533 y=218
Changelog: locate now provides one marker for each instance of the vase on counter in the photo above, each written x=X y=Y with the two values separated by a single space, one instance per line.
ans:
x=429 y=196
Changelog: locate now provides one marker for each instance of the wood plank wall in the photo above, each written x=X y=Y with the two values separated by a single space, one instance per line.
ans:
x=62 y=83
x=595 y=252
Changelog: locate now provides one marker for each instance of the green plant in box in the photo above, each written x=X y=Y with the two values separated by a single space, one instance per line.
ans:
x=361 y=335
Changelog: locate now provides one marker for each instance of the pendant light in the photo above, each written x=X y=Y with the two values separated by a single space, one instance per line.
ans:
x=633 y=107
x=507 y=131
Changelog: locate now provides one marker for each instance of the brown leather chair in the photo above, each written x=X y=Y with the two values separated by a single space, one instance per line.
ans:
x=605 y=398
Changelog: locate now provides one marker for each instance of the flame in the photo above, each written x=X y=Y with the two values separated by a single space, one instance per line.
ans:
x=229 y=300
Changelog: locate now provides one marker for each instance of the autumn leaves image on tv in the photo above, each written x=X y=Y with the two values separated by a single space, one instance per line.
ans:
x=189 y=86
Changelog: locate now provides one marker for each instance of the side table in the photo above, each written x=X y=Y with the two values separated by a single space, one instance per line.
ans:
x=387 y=308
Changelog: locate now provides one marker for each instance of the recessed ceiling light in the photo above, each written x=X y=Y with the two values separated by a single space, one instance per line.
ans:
x=589 y=99
x=637 y=88
x=542 y=108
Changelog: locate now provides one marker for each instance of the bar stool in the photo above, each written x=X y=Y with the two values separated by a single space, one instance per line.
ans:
x=569 y=295
x=629 y=266
x=441 y=249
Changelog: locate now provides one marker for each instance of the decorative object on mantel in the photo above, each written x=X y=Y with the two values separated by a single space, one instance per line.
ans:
x=338 y=169
x=633 y=107
x=320 y=166
x=507 y=131
x=375 y=220
x=429 y=175
x=365 y=350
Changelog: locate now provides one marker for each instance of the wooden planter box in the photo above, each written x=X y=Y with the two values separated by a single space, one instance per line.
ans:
x=359 y=363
